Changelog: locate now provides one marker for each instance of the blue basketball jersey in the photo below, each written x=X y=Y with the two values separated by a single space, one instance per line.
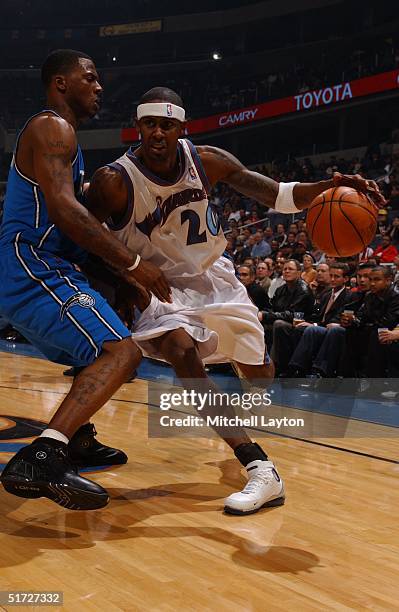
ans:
x=25 y=211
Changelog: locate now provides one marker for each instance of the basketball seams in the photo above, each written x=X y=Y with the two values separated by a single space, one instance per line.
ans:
x=331 y=229
x=345 y=217
x=321 y=204
x=352 y=224
x=356 y=204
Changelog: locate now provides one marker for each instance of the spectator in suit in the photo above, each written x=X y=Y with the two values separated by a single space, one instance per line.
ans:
x=364 y=354
x=291 y=297
x=270 y=264
x=263 y=273
x=322 y=340
x=323 y=280
x=318 y=340
x=362 y=288
x=246 y=274
x=277 y=280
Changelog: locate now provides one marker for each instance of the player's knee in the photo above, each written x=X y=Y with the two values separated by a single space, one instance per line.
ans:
x=185 y=355
x=125 y=350
x=178 y=346
x=181 y=354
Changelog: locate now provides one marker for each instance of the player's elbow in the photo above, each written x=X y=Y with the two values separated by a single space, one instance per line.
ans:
x=63 y=212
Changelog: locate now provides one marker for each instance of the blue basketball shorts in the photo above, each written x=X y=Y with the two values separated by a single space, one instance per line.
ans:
x=51 y=303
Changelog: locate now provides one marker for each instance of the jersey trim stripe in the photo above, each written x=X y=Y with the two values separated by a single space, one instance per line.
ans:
x=26 y=178
x=200 y=168
x=53 y=295
x=94 y=310
x=45 y=236
x=14 y=159
x=152 y=177
x=130 y=195
x=37 y=201
x=77 y=289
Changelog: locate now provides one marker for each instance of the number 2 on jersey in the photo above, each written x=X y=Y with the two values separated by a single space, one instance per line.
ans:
x=194 y=223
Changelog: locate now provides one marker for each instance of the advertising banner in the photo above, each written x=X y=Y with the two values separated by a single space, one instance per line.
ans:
x=302 y=102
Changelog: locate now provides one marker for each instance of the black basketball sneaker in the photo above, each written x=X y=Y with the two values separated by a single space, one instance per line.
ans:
x=43 y=469
x=85 y=451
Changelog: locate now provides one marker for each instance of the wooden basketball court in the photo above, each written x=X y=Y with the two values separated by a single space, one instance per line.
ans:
x=163 y=542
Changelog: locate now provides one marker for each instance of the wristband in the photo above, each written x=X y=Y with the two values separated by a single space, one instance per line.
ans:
x=136 y=263
x=285 y=201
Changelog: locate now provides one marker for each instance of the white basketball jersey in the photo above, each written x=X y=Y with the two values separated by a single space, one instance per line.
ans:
x=173 y=225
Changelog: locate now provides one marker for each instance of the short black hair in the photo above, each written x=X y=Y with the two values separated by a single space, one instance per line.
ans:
x=340 y=266
x=162 y=93
x=60 y=61
x=252 y=269
x=365 y=266
x=386 y=271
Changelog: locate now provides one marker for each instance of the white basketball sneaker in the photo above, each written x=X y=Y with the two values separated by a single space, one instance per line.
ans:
x=264 y=488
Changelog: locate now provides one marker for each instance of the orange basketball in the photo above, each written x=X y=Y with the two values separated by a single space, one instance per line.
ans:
x=341 y=221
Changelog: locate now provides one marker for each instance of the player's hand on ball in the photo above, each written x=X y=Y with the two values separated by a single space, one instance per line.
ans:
x=367 y=186
x=153 y=279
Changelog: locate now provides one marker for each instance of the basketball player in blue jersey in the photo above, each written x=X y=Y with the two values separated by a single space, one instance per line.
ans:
x=155 y=199
x=46 y=233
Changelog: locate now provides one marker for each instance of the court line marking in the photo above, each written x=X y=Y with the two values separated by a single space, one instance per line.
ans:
x=272 y=433
x=281 y=404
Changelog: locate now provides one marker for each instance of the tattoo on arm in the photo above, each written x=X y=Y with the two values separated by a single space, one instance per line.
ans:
x=58 y=144
x=58 y=158
x=255 y=185
x=220 y=165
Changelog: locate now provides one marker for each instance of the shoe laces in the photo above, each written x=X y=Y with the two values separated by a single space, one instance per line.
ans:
x=63 y=454
x=260 y=478
x=92 y=431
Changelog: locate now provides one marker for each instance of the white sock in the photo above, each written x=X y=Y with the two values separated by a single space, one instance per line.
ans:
x=56 y=435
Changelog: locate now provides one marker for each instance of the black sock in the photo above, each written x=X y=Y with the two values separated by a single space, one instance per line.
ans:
x=249 y=451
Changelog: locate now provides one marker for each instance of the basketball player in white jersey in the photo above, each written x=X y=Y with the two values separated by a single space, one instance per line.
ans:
x=155 y=199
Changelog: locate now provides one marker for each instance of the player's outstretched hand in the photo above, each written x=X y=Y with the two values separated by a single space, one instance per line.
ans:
x=153 y=279
x=367 y=186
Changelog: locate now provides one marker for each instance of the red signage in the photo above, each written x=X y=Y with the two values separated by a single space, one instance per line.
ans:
x=283 y=106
